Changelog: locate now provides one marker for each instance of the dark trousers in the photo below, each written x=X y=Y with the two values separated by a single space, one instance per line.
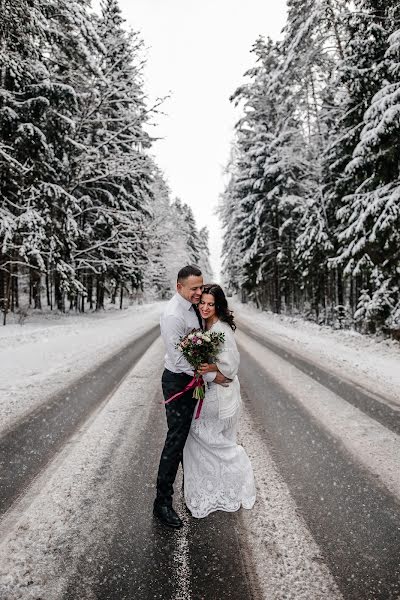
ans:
x=179 y=417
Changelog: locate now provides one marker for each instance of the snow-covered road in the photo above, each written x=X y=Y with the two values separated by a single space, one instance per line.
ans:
x=42 y=356
x=371 y=362
x=325 y=526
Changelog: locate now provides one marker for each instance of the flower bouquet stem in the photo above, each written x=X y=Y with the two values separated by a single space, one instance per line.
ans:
x=199 y=393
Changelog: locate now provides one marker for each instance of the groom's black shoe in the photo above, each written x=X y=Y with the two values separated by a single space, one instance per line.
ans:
x=167 y=515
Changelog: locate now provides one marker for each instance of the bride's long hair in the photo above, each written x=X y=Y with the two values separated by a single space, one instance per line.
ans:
x=221 y=304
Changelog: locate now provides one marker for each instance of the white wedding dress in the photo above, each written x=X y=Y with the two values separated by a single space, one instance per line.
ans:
x=217 y=471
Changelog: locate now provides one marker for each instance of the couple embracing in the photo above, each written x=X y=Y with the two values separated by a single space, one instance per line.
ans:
x=217 y=471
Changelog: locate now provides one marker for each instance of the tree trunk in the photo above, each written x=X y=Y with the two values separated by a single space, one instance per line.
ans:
x=58 y=292
x=89 y=287
x=7 y=292
x=2 y=281
x=16 y=287
x=48 y=289
x=100 y=292
x=36 y=288
x=12 y=288
x=114 y=294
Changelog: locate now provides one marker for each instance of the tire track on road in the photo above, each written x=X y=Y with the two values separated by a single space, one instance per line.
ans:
x=148 y=561
x=31 y=443
x=353 y=519
x=376 y=406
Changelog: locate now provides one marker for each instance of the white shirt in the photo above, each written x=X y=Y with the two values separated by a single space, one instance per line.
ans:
x=177 y=320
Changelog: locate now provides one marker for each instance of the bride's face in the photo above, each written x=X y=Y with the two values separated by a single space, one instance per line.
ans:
x=207 y=306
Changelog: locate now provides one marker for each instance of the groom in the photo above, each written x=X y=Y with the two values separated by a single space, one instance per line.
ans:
x=178 y=319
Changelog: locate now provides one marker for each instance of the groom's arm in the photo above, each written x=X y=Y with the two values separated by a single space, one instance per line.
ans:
x=172 y=330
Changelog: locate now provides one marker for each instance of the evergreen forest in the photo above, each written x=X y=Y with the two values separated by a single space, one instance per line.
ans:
x=85 y=212
x=311 y=210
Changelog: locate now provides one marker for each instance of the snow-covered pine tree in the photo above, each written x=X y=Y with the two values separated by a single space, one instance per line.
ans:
x=68 y=49
x=231 y=222
x=115 y=178
x=157 y=282
x=362 y=315
x=25 y=153
x=174 y=241
x=203 y=239
x=371 y=216
x=266 y=185
x=245 y=188
x=313 y=43
x=368 y=206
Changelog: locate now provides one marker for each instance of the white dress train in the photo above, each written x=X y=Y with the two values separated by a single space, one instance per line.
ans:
x=217 y=471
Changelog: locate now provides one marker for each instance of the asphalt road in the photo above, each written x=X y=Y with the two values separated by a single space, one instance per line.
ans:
x=354 y=521
x=30 y=444
x=144 y=560
x=369 y=401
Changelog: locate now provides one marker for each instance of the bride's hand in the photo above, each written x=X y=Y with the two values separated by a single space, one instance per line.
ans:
x=207 y=368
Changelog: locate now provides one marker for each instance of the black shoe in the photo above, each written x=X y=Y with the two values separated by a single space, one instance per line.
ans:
x=167 y=515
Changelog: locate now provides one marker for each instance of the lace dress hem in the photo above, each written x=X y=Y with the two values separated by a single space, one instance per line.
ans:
x=197 y=514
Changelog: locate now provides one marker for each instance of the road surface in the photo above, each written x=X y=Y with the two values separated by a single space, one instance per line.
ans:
x=78 y=479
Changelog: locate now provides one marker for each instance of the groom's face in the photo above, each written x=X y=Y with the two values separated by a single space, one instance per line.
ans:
x=191 y=288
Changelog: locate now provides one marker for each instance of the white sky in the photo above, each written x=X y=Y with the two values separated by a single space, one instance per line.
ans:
x=198 y=52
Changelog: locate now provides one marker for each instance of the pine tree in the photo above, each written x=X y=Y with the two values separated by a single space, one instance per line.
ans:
x=358 y=79
x=267 y=182
x=114 y=179
x=24 y=149
x=204 y=254
x=373 y=213
x=368 y=210
x=157 y=281
x=313 y=43
x=174 y=241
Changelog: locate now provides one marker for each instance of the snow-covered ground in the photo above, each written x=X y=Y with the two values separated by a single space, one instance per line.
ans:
x=368 y=442
x=66 y=510
x=51 y=350
x=371 y=362
x=67 y=513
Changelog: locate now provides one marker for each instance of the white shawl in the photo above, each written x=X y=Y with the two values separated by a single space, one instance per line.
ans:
x=227 y=361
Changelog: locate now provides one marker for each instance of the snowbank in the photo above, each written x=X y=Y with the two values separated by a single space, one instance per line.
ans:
x=50 y=351
x=367 y=360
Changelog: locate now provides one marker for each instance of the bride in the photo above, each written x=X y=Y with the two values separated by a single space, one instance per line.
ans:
x=217 y=471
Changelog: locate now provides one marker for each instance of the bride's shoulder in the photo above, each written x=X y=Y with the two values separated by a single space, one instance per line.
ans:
x=223 y=327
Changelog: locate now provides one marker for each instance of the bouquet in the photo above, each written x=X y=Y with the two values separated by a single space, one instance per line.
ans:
x=198 y=347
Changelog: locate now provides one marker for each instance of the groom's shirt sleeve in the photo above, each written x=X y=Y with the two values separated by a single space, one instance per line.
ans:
x=172 y=329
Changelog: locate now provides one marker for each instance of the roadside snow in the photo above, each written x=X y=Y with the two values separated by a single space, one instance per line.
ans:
x=65 y=513
x=372 y=363
x=68 y=512
x=370 y=443
x=42 y=356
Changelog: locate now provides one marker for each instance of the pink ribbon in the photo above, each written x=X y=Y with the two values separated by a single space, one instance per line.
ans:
x=192 y=385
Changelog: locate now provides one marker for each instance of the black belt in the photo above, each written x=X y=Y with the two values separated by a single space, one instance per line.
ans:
x=177 y=374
